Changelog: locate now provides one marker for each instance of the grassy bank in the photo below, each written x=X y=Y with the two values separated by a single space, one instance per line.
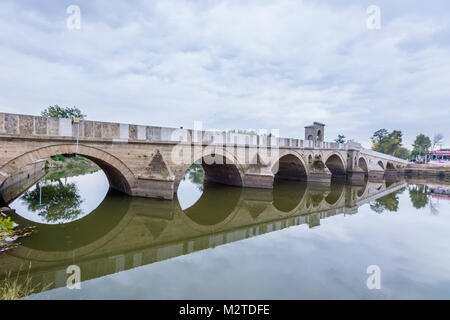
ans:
x=14 y=287
x=69 y=161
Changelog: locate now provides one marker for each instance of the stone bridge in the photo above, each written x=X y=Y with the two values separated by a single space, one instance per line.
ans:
x=148 y=161
x=142 y=231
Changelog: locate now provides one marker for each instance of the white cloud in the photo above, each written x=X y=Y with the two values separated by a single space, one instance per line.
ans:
x=255 y=64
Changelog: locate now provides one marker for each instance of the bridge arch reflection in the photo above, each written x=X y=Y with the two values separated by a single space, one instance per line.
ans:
x=83 y=236
x=223 y=199
x=153 y=230
x=287 y=195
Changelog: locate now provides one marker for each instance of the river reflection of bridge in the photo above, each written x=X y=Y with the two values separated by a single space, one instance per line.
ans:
x=124 y=232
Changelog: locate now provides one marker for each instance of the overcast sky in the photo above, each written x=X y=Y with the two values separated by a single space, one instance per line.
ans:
x=233 y=64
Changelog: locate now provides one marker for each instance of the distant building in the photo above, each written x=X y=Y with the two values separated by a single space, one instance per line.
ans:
x=441 y=156
x=316 y=132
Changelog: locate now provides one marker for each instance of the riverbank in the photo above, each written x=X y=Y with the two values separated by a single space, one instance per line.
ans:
x=10 y=231
x=427 y=170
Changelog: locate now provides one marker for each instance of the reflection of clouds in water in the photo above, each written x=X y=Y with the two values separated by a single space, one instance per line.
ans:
x=328 y=261
x=191 y=186
x=92 y=189
x=188 y=193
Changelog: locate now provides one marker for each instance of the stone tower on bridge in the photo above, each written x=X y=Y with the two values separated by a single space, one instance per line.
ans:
x=316 y=132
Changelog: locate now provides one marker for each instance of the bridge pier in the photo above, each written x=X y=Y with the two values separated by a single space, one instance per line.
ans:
x=376 y=175
x=320 y=177
x=258 y=181
x=154 y=188
x=356 y=176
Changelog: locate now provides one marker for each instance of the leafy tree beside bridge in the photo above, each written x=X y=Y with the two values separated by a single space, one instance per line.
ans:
x=340 y=138
x=389 y=143
x=421 y=146
x=63 y=112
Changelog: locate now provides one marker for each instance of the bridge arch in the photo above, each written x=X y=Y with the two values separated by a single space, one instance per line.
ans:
x=290 y=166
x=391 y=170
x=218 y=165
x=381 y=165
x=336 y=164
x=120 y=177
x=363 y=164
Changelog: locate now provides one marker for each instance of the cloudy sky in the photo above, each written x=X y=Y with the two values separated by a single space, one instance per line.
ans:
x=234 y=64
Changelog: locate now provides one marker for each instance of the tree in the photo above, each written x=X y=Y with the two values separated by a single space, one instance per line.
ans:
x=378 y=137
x=58 y=203
x=196 y=175
x=385 y=142
x=389 y=202
x=340 y=138
x=392 y=143
x=438 y=138
x=418 y=196
x=59 y=112
x=422 y=143
x=402 y=153
x=416 y=152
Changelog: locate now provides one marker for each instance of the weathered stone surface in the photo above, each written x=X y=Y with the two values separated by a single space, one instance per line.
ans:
x=2 y=123
x=133 y=131
x=157 y=167
x=53 y=126
x=154 y=133
x=11 y=123
x=356 y=175
x=258 y=181
x=154 y=188
x=26 y=125
x=107 y=130
x=97 y=129
x=40 y=125
x=322 y=177
x=115 y=130
x=88 y=129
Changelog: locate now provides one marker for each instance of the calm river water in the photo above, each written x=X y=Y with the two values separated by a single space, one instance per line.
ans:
x=216 y=242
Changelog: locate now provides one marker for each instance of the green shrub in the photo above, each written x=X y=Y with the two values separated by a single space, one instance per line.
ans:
x=58 y=157
x=317 y=164
x=6 y=225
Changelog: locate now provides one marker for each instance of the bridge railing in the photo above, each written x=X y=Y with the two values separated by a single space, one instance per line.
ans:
x=382 y=156
x=36 y=126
